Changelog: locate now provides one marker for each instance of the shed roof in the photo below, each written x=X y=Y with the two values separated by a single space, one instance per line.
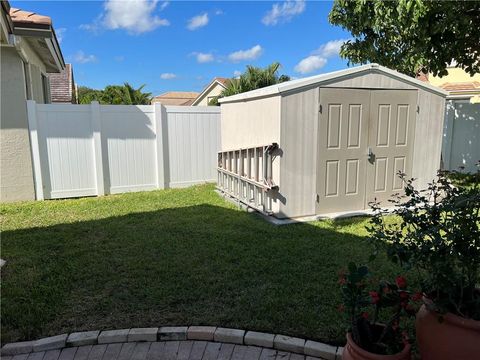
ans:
x=329 y=77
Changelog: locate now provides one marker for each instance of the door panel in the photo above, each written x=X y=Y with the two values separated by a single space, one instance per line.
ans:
x=391 y=132
x=342 y=149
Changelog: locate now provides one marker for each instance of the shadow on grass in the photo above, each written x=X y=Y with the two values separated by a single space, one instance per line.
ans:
x=201 y=264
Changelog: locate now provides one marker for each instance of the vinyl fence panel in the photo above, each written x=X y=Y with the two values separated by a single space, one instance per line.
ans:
x=66 y=151
x=461 y=137
x=88 y=150
x=193 y=136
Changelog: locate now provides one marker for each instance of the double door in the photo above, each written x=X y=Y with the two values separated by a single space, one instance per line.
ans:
x=365 y=137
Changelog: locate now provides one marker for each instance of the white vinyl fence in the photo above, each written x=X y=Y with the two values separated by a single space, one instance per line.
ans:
x=88 y=150
x=461 y=135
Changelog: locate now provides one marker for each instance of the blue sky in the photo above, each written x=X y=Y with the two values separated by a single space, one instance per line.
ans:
x=182 y=45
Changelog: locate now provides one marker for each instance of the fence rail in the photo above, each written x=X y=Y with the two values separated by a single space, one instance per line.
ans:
x=89 y=150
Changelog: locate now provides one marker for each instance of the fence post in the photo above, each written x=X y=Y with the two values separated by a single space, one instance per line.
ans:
x=33 y=129
x=159 y=120
x=97 y=147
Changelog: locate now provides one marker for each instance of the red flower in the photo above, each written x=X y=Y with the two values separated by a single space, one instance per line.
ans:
x=365 y=315
x=375 y=297
x=404 y=295
x=401 y=282
x=417 y=296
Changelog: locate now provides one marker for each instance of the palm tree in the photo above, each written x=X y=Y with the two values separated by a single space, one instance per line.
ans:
x=253 y=78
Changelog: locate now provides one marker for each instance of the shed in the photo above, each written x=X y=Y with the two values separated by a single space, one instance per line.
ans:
x=330 y=143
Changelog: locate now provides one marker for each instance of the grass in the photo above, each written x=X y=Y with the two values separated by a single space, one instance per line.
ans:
x=171 y=257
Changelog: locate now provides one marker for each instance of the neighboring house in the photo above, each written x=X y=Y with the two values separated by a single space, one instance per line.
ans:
x=29 y=51
x=461 y=135
x=62 y=86
x=179 y=98
x=211 y=91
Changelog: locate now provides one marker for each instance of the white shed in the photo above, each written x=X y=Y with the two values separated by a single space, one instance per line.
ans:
x=329 y=143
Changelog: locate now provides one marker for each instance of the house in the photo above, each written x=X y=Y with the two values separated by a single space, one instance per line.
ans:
x=461 y=133
x=331 y=143
x=29 y=51
x=62 y=86
x=178 y=98
x=211 y=91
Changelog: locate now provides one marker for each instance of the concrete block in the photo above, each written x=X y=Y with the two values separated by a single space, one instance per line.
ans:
x=233 y=336
x=50 y=343
x=259 y=339
x=321 y=350
x=113 y=336
x=23 y=347
x=143 y=334
x=201 y=333
x=173 y=333
x=287 y=343
x=83 y=338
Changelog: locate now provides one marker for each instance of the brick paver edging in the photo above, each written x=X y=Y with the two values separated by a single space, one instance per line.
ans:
x=166 y=333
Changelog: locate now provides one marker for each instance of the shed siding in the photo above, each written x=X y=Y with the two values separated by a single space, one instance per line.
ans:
x=428 y=138
x=371 y=81
x=249 y=124
x=299 y=145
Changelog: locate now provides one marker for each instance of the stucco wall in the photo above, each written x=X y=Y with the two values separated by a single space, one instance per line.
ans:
x=16 y=176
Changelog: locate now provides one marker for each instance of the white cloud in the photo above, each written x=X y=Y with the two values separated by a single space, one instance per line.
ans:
x=82 y=58
x=167 y=76
x=310 y=64
x=249 y=54
x=318 y=58
x=60 y=33
x=135 y=16
x=330 y=48
x=219 y=12
x=197 y=22
x=237 y=73
x=203 y=57
x=281 y=13
x=164 y=5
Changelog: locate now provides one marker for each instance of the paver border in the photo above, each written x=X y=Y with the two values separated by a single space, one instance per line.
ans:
x=308 y=347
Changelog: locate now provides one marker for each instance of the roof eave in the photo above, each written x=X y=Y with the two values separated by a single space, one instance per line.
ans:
x=208 y=88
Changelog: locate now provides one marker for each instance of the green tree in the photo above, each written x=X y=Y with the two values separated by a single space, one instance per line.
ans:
x=115 y=95
x=253 y=78
x=411 y=35
x=86 y=95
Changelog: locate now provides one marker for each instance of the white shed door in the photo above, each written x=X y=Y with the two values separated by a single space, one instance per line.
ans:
x=342 y=149
x=390 y=141
x=365 y=137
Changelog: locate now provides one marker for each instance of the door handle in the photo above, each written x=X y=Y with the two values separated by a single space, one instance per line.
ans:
x=371 y=156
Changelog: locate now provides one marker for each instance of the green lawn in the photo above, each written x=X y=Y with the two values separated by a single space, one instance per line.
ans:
x=171 y=257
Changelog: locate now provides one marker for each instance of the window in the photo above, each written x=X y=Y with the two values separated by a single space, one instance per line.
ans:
x=26 y=75
x=46 y=89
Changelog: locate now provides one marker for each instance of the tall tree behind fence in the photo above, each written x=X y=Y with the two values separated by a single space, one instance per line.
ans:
x=88 y=150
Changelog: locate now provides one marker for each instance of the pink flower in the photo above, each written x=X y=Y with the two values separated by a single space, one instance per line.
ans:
x=375 y=297
x=365 y=315
x=417 y=296
x=401 y=282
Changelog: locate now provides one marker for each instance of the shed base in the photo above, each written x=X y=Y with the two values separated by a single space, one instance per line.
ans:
x=301 y=219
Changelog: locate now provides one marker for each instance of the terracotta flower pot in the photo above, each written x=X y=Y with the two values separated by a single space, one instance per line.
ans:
x=353 y=352
x=453 y=338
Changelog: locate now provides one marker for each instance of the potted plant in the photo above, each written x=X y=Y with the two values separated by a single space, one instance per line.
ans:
x=438 y=234
x=367 y=336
